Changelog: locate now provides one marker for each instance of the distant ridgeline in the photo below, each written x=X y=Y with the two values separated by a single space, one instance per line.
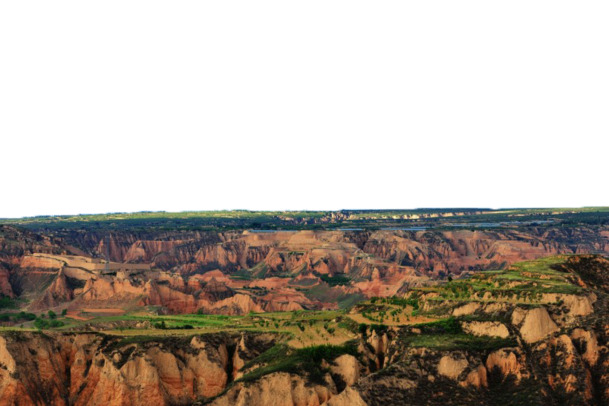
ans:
x=349 y=220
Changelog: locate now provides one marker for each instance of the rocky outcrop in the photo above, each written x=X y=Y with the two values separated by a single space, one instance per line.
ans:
x=5 y=286
x=348 y=397
x=486 y=328
x=535 y=324
x=552 y=373
x=59 y=292
x=347 y=369
x=466 y=309
x=451 y=367
x=280 y=389
x=509 y=362
x=215 y=291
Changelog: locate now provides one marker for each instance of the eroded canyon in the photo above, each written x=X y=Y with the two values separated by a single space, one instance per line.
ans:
x=461 y=315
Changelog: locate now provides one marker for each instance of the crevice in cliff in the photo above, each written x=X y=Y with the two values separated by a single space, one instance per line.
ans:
x=231 y=349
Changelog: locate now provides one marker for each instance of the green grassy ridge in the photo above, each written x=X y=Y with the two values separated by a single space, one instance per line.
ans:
x=528 y=279
x=267 y=322
x=214 y=214
x=449 y=325
x=453 y=342
x=196 y=320
x=368 y=219
x=112 y=343
x=522 y=284
x=228 y=214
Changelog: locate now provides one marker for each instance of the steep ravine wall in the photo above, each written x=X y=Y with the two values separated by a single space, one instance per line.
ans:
x=95 y=369
x=429 y=252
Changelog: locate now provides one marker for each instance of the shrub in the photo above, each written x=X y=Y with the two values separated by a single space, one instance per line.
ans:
x=25 y=316
x=378 y=328
x=160 y=325
x=7 y=303
x=446 y=326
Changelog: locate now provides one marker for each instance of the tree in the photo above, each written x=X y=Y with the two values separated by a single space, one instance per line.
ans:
x=40 y=324
x=52 y=315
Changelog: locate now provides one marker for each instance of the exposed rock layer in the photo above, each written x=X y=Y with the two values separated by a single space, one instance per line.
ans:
x=90 y=369
x=237 y=272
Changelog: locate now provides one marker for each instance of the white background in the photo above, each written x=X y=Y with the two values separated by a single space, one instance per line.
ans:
x=197 y=105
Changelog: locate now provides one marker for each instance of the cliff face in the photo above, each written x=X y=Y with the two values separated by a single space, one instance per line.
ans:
x=90 y=369
x=258 y=271
x=5 y=285
x=87 y=369
x=566 y=369
x=15 y=244
x=430 y=252
x=541 y=338
x=570 y=368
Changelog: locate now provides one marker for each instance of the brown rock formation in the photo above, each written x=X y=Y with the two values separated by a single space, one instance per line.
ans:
x=87 y=369
x=486 y=328
x=280 y=389
x=274 y=270
x=536 y=325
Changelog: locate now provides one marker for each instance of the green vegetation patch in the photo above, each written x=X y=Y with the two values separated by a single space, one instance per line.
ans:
x=40 y=323
x=17 y=317
x=304 y=361
x=445 y=326
x=452 y=342
x=7 y=302
x=447 y=334
x=326 y=293
x=336 y=280
x=522 y=283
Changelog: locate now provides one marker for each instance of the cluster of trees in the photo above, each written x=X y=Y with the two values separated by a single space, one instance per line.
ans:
x=52 y=322
x=161 y=325
x=48 y=320
x=17 y=317
x=7 y=302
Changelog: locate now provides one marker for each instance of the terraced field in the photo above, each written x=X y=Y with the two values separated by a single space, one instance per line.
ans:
x=528 y=283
